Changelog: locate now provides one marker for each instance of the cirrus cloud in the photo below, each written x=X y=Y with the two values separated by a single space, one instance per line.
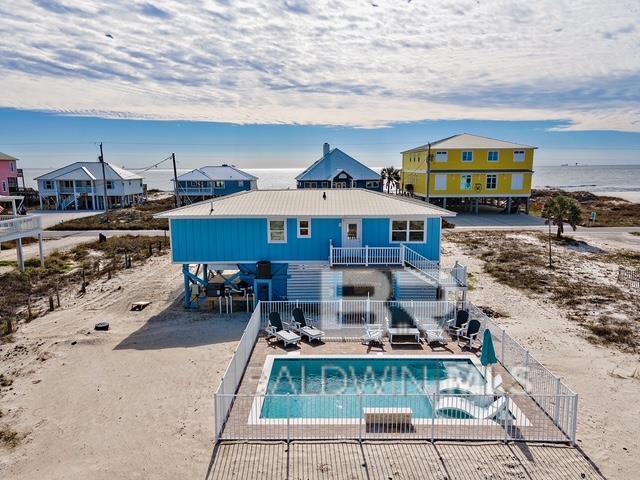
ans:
x=329 y=62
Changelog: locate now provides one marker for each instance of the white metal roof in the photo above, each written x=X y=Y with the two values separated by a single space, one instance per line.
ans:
x=91 y=169
x=4 y=156
x=468 y=141
x=216 y=172
x=308 y=203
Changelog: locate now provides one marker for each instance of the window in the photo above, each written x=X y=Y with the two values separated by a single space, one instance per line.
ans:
x=517 y=181
x=467 y=156
x=407 y=231
x=465 y=182
x=441 y=181
x=373 y=184
x=241 y=183
x=277 y=231
x=339 y=184
x=109 y=185
x=314 y=185
x=442 y=156
x=492 y=182
x=493 y=156
x=518 y=155
x=219 y=184
x=48 y=185
x=325 y=184
x=12 y=166
x=4 y=186
x=304 y=228
x=67 y=184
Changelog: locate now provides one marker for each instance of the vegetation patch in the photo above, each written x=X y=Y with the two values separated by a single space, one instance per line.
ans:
x=9 y=438
x=610 y=211
x=37 y=289
x=580 y=280
x=138 y=217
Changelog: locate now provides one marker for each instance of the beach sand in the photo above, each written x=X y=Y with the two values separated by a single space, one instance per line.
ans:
x=607 y=380
x=628 y=196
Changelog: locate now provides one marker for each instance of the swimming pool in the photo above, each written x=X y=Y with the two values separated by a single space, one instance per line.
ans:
x=339 y=387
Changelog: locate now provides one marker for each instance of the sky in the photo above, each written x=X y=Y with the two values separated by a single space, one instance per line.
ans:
x=263 y=83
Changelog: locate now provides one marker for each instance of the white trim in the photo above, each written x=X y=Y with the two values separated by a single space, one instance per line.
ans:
x=305 y=219
x=424 y=230
x=486 y=181
x=276 y=219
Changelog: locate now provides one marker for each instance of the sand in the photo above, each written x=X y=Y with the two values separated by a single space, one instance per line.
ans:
x=133 y=402
x=606 y=380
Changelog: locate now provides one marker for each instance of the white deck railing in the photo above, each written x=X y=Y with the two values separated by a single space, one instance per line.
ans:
x=550 y=407
x=13 y=226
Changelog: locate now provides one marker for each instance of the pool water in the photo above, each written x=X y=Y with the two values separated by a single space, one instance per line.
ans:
x=331 y=388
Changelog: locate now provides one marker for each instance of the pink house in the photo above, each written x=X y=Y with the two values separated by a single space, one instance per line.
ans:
x=8 y=174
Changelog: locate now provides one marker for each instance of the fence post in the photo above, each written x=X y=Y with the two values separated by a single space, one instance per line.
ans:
x=574 y=427
x=366 y=255
x=556 y=417
x=288 y=417
x=433 y=414
x=506 y=421
x=526 y=371
x=361 y=417
x=504 y=336
x=340 y=311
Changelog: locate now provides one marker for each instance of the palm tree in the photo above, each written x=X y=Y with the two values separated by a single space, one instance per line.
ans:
x=560 y=210
x=391 y=177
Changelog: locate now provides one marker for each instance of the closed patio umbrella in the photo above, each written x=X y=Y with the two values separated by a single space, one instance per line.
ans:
x=488 y=356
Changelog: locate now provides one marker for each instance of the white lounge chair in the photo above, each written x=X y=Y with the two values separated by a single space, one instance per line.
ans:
x=277 y=330
x=374 y=333
x=304 y=327
x=459 y=405
x=452 y=386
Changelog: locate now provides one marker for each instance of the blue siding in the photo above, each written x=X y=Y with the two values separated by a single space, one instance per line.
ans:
x=245 y=240
x=376 y=233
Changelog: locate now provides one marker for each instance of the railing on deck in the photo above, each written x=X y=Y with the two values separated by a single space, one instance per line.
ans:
x=548 y=407
x=402 y=255
x=11 y=225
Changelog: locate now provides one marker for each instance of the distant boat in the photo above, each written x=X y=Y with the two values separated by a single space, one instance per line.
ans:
x=564 y=164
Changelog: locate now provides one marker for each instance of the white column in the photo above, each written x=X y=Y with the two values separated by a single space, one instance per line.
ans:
x=75 y=195
x=20 y=254
x=41 y=250
x=93 y=194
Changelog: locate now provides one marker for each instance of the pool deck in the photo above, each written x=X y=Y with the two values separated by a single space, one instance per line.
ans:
x=241 y=422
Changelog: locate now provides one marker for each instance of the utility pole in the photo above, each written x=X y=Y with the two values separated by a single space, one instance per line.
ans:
x=104 y=180
x=175 y=180
x=427 y=198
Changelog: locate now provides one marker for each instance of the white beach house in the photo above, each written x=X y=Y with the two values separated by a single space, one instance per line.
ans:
x=85 y=185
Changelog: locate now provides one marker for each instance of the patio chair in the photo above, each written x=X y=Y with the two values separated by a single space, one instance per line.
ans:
x=402 y=324
x=458 y=406
x=434 y=334
x=303 y=326
x=459 y=323
x=277 y=330
x=455 y=386
x=471 y=335
x=374 y=334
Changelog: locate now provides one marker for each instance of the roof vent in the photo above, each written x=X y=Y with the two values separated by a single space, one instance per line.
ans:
x=324 y=195
x=325 y=149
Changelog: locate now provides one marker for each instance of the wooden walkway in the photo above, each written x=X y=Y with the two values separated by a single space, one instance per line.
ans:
x=398 y=460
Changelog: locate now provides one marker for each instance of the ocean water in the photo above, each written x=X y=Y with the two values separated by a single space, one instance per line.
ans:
x=594 y=178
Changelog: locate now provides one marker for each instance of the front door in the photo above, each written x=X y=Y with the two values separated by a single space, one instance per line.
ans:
x=352 y=232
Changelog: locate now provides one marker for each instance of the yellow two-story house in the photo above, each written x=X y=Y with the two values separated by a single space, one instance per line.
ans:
x=469 y=170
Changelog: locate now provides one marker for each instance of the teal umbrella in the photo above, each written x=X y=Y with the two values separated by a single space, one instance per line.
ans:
x=488 y=356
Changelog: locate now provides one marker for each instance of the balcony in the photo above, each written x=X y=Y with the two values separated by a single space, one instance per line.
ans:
x=13 y=227
x=402 y=256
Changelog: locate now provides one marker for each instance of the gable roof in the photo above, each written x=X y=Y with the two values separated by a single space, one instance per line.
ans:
x=217 y=172
x=467 y=140
x=89 y=171
x=4 y=156
x=336 y=159
x=339 y=203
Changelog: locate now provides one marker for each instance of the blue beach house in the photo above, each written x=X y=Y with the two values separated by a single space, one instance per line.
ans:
x=336 y=169
x=300 y=244
x=215 y=181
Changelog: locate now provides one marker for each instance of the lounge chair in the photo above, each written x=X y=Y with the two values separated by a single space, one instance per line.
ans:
x=303 y=326
x=402 y=324
x=458 y=405
x=455 y=386
x=433 y=333
x=277 y=330
x=471 y=335
x=460 y=323
x=374 y=333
